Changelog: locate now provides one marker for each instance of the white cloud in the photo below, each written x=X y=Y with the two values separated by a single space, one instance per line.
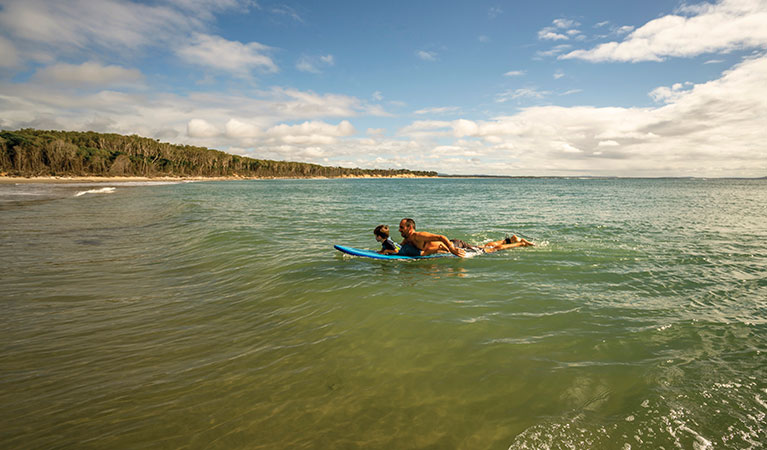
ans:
x=377 y=96
x=722 y=27
x=201 y=128
x=426 y=129
x=550 y=35
x=669 y=94
x=315 y=64
x=562 y=30
x=426 y=56
x=112 y=30
x=483 y=39
x=239 y=129
x=206 y=8
x=74 y=25
x=554 y=51
x=309 y=133
x=287 y=11
x=299 y=104
x=514 y=73
x=514 y=94
x=89 y=74
x=439 y=110
x=565 y=23
x=558 y=74
x=710 y=129
x=231 y=56
x=344 y=128
x=167 y=116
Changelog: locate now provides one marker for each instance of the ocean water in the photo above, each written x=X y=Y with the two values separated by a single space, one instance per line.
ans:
x=218 y=315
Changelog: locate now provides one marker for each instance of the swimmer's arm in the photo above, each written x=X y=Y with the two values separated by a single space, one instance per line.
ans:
x=431 y=237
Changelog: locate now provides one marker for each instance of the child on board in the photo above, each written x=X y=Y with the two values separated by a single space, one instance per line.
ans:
x=388 y=246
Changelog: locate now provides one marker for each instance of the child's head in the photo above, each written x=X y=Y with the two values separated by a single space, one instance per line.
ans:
x=382 y=231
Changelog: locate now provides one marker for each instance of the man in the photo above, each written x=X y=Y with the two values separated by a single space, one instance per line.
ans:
x=422 y=243
x=505 y=244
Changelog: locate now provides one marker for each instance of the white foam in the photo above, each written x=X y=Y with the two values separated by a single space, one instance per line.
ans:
x=105 y=190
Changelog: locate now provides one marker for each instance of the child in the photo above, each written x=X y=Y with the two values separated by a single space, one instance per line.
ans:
x=388 y=247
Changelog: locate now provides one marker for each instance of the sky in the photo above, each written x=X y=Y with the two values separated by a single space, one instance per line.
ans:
x=555 y=88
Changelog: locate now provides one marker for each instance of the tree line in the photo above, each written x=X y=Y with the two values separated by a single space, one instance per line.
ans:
x=30 y=152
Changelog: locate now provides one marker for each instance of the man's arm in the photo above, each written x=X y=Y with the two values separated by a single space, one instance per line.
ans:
x=431 y=237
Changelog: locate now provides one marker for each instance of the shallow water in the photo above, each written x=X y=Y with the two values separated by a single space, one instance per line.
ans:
x=218 y=315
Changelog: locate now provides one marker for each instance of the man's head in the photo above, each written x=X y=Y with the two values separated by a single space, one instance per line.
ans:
x=406 y=227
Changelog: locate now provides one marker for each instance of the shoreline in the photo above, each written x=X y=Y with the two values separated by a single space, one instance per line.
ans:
x=97 y=179
x=4 y=179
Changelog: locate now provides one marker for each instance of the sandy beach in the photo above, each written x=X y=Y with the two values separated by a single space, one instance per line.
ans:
x=13 y=180
x=93 y=179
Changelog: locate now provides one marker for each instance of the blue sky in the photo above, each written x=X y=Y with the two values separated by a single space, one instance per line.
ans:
x=506 y=88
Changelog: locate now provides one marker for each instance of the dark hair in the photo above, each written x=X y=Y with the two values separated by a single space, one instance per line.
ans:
x=382 y=230
x=410 y=222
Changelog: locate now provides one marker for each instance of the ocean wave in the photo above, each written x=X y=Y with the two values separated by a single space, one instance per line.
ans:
x=105 y=190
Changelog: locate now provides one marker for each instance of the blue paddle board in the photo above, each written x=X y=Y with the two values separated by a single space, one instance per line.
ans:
x=374 y=255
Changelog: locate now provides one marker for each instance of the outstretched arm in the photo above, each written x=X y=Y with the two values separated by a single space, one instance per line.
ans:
x=431 y=237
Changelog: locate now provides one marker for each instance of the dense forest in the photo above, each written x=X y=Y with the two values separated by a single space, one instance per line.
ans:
x=30 y=153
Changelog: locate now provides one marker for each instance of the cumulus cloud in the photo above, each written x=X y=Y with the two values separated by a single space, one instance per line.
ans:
x=561 y=30
x=309 y=133
x=229 y=119
x=721 y=27
x=89 y=74
x=708 y=129
x=669 y=94
x=231 y=56
x=239 y=129
x=201 y=128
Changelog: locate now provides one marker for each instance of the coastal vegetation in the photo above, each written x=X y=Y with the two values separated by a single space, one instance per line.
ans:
x=36 y=153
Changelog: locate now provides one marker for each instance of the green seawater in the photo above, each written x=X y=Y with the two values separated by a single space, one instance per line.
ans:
x=218 y=315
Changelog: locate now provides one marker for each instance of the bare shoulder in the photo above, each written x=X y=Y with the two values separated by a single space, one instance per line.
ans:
x=428 y=236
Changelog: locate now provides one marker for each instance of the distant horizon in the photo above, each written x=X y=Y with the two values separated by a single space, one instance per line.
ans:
x=650 y=90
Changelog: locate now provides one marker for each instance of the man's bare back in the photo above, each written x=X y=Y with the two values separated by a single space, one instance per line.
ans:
x=426 y=243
